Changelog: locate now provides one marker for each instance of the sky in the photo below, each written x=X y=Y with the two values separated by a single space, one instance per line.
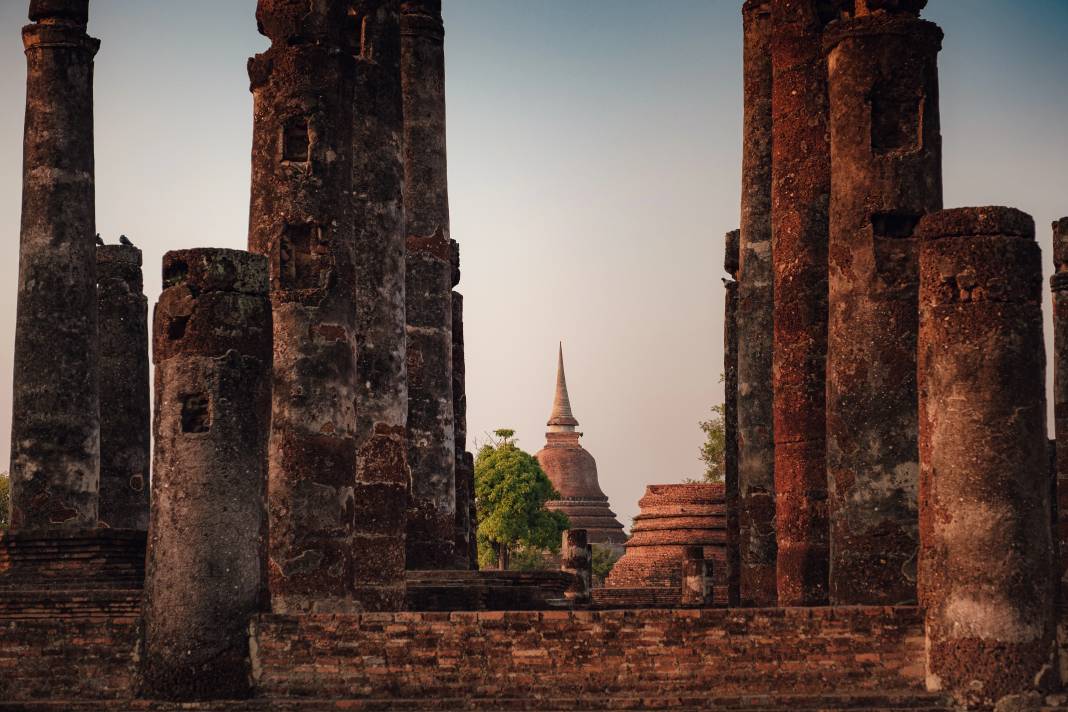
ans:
x=594 y=166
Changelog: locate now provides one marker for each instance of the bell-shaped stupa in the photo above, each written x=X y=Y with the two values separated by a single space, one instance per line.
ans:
x=573 y=472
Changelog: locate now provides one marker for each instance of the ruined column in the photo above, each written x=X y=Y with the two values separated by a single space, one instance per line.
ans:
x=756 y=304
x=1059 y=286
x=465 y=476
x=696 y=578
x=886 y=150
x=382 y=477
x=801 y=181
x=730 y=412
x=55 y=424
x=122 y=311
x=301 y=219
x=431 y=436
x=985 y=543
x=207 y=549
x=576 y=558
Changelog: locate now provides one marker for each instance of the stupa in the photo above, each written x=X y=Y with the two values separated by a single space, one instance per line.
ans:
x=573 y=472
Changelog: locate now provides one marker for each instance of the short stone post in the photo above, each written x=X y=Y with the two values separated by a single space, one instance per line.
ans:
x=125 y=434
x=697 y=590
x=207 y=548
x=985 y=543
x=576 y=559
x=55 y=423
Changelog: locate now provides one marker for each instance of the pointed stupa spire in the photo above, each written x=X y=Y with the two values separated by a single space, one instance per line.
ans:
x=561 y=420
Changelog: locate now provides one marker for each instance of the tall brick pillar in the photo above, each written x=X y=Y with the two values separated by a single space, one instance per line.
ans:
x=124 y=401
x=801 y=182
x=985 y=543
x=1059 y=287
x=730 y=412
x=382 y=474
x=205 y=574
x=886 y=150
x=465 y=473
x=301 y=218
x=431 y=435
x=756 y=305
x=55 y=424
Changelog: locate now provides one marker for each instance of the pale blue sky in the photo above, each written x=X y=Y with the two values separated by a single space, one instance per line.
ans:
x=594 y=154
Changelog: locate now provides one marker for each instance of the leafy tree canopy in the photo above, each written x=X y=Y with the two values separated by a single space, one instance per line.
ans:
x=511 y=490
x=715 y=446
x=5 y=500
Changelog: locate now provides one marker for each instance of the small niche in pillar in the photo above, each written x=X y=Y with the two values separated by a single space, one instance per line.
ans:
x=895 y=256
x=296 y=142
x=196 y=413
x=896 y=119
x=298 y=263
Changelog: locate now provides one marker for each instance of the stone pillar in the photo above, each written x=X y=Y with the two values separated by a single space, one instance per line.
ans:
x=696 y=578
x=206 y=563
x=801 y=181
x=576 y=558
x=886 y=150
x=301 y=219
x=756 y=304
x=55 y=424
x=730 y=412
x=1059 y=287
x=985 y=549
x=122 y=311
x=465 y=477
x=432 y=442
x=382 y=387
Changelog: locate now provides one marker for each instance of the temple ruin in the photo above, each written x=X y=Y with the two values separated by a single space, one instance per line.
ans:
x=888 y=535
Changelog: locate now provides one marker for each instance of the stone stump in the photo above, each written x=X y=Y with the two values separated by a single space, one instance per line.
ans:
x=206 y=562
x=696 y=579
x=576 y=558
x=985 y=543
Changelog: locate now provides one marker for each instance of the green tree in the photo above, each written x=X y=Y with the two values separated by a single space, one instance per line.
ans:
x=604 y=558
x=511 y=490
x=715 y=445
x=5 y=500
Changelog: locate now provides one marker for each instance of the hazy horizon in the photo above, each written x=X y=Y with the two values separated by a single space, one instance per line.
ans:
x=594 y=166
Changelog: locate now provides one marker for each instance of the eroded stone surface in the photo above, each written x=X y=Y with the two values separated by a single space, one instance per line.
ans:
x=887 y=159
x=985 y=556
x=207 y=548
x=55 y=426
x=1059 y=288
x=730 y=412
x=125 y=433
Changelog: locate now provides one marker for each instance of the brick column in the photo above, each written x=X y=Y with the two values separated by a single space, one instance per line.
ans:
x=206 y=563
x=985 y=542
x=124 y=401
x=1059 y=287
x=382 y=476
x=301 y=219
x=801 y=181
x=55 y=424
x=465 y=472
x=886 y=150
x=432 y=442
x=730 y=412
x=756 y=304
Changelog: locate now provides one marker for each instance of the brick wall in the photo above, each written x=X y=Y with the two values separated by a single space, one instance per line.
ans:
x=553 y=654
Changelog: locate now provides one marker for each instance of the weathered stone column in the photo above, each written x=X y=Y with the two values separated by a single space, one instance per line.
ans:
x=55 y=424
x=431 y=437
x=730 y=412
x=1059 y=287
x=801 y=181
x=124 y=402
x=465 y=476
x=696 y=578
x=301 y=219
x=756 y=304
x=382 y=392
x=985 y=542
x=886 y=150
x=576 y=558
x=207 y=549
